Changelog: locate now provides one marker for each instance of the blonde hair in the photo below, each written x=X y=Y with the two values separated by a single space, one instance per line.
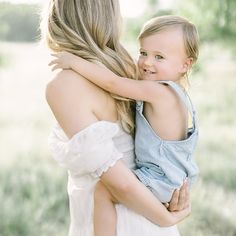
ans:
x=91 y=29
x=190 y=34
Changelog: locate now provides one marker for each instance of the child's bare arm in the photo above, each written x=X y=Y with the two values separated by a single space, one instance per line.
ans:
x=144 y=90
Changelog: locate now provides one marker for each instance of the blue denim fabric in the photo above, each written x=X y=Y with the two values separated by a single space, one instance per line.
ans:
x=162 y=165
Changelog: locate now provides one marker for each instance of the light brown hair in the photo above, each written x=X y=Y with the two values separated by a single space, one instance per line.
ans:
x=91 y=29
x=190 y=34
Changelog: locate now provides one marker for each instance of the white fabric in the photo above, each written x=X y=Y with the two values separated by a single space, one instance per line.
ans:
x=86 y=156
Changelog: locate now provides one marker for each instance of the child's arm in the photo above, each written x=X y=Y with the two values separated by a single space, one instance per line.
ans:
x=128 y=190
x=106 y=79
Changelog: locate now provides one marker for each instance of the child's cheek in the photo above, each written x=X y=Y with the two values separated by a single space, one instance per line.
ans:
x=139 y=63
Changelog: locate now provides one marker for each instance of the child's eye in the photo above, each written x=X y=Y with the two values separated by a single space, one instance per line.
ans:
x=143 y=53
x=159 y=57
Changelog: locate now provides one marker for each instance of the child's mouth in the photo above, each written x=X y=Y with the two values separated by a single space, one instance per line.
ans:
x=148 y=71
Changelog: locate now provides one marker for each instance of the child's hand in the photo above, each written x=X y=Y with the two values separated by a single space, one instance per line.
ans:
x=62 y=60
x=180 y=215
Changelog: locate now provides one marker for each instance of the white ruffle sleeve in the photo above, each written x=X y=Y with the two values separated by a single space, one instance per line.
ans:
x=90 y=151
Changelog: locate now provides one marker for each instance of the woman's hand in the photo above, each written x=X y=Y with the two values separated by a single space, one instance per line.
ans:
x=178 y=216
x=180 y=199
x=63 y=60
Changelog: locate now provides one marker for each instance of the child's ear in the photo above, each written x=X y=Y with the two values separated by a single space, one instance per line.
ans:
x=187 y=64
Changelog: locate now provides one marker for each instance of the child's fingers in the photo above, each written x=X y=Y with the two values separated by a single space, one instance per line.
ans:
x=55 y=54
x=52 y=62
x=59 y=54
x=56 y=67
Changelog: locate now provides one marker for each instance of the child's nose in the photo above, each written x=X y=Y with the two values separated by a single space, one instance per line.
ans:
x=148 y=61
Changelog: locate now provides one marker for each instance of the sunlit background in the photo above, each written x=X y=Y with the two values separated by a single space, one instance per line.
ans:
x=33 y=187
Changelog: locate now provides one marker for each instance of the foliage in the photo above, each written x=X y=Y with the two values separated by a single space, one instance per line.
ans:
x=134 y=25
x=5 y=59
x=1 y=60
x=213 y=198
x=214 y=19
x=32 y=206
x=18 y=22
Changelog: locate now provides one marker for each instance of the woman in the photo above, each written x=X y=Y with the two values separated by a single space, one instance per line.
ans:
x=94 y=127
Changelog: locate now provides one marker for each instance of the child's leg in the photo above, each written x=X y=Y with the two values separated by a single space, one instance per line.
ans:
x=104 y=212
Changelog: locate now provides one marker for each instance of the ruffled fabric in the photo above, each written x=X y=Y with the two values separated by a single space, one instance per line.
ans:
x=130 y=223
x=86 y=156
x=78 y=153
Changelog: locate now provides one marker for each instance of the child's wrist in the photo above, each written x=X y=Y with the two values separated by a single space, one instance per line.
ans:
x=72 y=61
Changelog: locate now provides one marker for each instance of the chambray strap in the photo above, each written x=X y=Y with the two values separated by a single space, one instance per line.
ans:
x=139 y=106
x=183 y=96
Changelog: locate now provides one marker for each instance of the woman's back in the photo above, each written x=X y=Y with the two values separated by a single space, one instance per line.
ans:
x=87 y=102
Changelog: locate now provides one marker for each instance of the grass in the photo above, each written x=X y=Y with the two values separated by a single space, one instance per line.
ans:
x=214 y=210
x=33 y=187
x=34 y=199
x=4 y=60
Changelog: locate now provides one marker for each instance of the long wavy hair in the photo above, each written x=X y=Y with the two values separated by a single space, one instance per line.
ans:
x=91 y=30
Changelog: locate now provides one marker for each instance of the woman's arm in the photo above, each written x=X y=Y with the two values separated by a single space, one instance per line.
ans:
x=74 y=114
x=180 y=199
x=128 y=190
x=144 y=90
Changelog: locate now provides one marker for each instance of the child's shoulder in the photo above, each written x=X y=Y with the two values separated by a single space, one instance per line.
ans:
x=163 y=92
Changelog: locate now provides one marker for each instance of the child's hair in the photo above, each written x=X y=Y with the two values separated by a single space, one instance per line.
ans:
x=190 y=34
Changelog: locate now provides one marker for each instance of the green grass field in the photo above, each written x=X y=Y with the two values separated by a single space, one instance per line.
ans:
x=33 y=187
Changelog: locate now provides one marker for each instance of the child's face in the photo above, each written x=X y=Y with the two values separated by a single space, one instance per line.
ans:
x=162 y=56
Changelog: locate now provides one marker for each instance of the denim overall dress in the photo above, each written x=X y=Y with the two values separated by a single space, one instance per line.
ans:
x=162 y=165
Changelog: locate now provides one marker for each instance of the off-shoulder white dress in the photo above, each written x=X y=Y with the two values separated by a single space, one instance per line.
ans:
x=86 y=156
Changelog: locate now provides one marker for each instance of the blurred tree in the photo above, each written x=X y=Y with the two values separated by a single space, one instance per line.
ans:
x=152 y=5
x=153 y=9
x=215 y=19
x=134 y=25
x=19 y=22
x=1 y=60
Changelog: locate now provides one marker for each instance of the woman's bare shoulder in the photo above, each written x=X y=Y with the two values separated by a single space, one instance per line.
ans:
x=67 y=89
x=68 y=95
x=69 y=83
x=65 y=79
